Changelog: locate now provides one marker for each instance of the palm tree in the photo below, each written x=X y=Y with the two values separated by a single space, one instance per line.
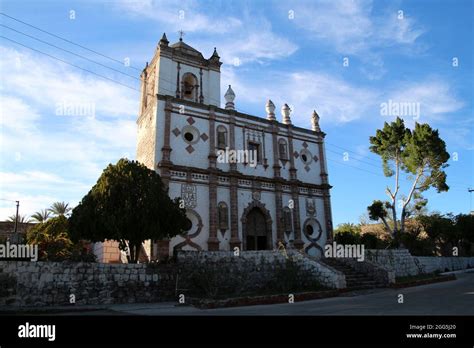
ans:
x=60 y=208
x=22 y=219
x=42 y=215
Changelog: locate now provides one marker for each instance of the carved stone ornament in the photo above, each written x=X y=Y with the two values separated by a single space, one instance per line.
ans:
x=189 y=195
x=310 y=207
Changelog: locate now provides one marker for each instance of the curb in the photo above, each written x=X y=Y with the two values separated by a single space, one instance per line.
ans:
x=261 y=300
x=423 y=281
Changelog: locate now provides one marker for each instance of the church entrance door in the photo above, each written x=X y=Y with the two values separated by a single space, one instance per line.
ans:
x=256 y=230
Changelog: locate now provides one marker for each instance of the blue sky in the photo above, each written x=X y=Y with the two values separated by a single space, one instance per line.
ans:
x=291 y=52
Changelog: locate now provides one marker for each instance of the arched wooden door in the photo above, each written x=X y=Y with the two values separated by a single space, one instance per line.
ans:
x=256 y=237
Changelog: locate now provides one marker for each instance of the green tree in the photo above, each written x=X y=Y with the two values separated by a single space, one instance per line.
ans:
x=422 y=155
x=60 y=208
x=129 y=204
x=464 y=225
x=441 y=230
x=52 y=239
x=41 y=216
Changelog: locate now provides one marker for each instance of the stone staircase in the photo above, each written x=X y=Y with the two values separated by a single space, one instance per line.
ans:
x=355 y=280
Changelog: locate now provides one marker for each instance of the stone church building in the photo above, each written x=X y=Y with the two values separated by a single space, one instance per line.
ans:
x=284 y=197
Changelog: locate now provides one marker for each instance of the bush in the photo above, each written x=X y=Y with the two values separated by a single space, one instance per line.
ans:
x=347 y=237
x=417 y=246
x=81 y=252
x=54 y=244
x=370 y=241
x=292 y=277
x=214 y=280
x=221 y=280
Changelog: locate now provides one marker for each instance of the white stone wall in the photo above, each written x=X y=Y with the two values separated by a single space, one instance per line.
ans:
x=404 y=264
x=445 y=264
x=166 y=78
x=327 y=275
x=146 y=136
x=313 y=175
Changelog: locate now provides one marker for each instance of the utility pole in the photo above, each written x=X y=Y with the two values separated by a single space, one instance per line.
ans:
x=16 y=217
x=470 y=190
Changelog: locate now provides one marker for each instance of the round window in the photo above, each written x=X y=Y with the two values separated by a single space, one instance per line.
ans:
x=190 y=134
x=306 y=156
x=312 y=229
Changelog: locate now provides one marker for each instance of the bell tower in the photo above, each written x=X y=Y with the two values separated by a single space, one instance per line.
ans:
x=176 y=71
x=181 y=71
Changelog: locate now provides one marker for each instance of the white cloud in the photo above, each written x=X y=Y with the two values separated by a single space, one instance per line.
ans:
x=351 y=27
x=15 y=115
x=247 y=39
x=339 y=101
x=29 y=204
x=257 y=42
x=335 y=100
x=50 y=85
x=184 y=15
x=435 y=97
x=61 y=155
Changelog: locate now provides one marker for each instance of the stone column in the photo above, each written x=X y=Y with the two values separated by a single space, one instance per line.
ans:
x=165 y=164
x=178 y=92
x=326 y=195
x=278 y=186
x=298 y=243
x=234 y=199
x=213 y=241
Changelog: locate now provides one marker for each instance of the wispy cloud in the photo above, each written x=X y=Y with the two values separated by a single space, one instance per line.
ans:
x=353 y=29
x=249 y=38
x=73 y=148
x=435 y=96
x=336 y=100
x=50 y=85
x=183 y=15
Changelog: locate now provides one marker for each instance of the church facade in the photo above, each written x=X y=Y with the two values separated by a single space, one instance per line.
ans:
x=279 y=195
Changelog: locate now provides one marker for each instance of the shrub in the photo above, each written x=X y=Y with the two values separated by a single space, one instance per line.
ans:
x=293 y=277
x=370 y=241
x=347 y=237
x=54 y=244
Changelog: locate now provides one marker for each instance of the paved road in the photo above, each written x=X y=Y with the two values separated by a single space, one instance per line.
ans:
x=447 y=298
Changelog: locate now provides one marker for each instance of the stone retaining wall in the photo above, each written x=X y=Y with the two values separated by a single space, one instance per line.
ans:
x=327 y=275
x=260 y=266
x=53 y=283
x=404 y=264
x=445 y=264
